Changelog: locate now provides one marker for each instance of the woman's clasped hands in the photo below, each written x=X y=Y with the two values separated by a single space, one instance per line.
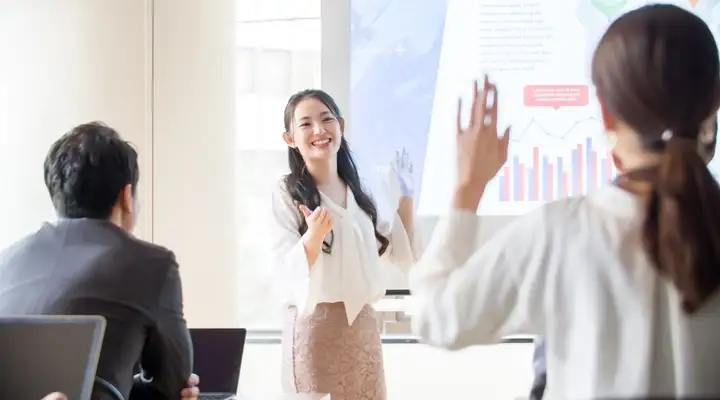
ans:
x=480 y=151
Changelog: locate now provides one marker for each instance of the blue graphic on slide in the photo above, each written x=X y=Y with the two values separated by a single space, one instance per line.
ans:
x=395 y=50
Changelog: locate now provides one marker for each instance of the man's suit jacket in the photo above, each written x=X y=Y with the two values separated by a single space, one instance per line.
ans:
x=92 y=267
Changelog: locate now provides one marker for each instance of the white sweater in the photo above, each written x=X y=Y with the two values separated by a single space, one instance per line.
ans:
x=574 y=272
x=352 y=273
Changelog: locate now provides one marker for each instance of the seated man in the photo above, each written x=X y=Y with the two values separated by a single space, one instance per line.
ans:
x=87 y=262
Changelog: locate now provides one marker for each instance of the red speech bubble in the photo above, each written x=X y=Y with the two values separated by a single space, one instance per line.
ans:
x=555 y=96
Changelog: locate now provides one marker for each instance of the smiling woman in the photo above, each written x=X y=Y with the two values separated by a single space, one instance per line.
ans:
x=326 y=245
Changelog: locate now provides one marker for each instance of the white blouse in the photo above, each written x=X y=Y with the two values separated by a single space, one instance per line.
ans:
x=574 y=272
x=352 y=273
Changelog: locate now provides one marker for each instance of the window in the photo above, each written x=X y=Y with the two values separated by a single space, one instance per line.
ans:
x=278 y=50
x=278 y=54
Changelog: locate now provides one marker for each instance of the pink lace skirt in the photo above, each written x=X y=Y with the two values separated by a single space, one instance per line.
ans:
x=323 y=354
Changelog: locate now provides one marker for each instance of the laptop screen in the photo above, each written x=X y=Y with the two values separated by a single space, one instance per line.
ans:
x=49 y=354
x=218 y=356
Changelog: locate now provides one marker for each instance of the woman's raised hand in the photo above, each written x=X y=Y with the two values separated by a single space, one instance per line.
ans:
x=403 y=168
x=480 y=152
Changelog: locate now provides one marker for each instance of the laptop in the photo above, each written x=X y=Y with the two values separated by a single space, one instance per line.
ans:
x=218 y=356
x=44 y=354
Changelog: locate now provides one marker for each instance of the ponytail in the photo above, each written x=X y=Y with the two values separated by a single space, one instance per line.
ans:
x=681 y=231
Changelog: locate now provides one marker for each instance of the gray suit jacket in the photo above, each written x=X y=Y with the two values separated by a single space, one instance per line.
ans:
x=93 y=267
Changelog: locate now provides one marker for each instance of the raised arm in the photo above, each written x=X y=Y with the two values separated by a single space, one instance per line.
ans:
x=398 y=186
x=465 y=294
x=404 y=243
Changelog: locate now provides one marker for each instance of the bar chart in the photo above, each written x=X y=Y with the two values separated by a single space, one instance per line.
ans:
x=548 y=178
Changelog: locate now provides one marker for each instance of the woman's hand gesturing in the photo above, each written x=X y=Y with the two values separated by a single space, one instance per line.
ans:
x=480 y=152
x=319 y=221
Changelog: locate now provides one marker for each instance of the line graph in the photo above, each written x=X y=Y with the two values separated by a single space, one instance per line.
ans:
x=533 y=125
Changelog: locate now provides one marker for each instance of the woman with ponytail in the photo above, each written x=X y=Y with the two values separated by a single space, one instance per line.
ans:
x=622 y=282
x=327 y=245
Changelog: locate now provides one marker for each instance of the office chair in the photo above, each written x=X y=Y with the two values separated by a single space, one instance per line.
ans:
x=109 y=388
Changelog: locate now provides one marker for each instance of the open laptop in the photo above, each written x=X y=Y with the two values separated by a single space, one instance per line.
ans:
x=44 y=354
x=218 y=356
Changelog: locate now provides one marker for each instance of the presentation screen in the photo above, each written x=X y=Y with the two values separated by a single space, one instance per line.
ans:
x=412 y=59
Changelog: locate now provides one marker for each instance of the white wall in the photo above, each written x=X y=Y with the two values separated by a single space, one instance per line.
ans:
x=166 y=84
x=194 y=152
x=64 y=63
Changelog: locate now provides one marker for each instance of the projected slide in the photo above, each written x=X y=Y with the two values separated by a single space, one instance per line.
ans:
x=411 y=59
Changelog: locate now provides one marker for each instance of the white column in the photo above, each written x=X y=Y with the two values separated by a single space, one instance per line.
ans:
x=65 y=63
x=335 y=48
x=194 y=152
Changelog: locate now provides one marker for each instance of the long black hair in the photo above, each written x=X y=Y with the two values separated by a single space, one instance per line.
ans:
x=301 y=185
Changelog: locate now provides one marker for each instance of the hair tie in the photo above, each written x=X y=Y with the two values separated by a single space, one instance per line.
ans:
x=659 y=143
x=666 y=136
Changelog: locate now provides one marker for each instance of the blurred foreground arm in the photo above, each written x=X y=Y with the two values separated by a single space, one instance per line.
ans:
x=466 y=294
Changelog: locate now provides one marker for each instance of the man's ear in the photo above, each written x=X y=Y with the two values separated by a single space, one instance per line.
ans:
x=126 y=198
x=341 y=121
x=287 y=137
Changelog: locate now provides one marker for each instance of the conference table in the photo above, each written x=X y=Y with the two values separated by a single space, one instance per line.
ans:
x=504 y=361
x=302 y=396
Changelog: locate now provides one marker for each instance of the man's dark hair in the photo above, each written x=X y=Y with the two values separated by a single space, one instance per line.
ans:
x=87 y=168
